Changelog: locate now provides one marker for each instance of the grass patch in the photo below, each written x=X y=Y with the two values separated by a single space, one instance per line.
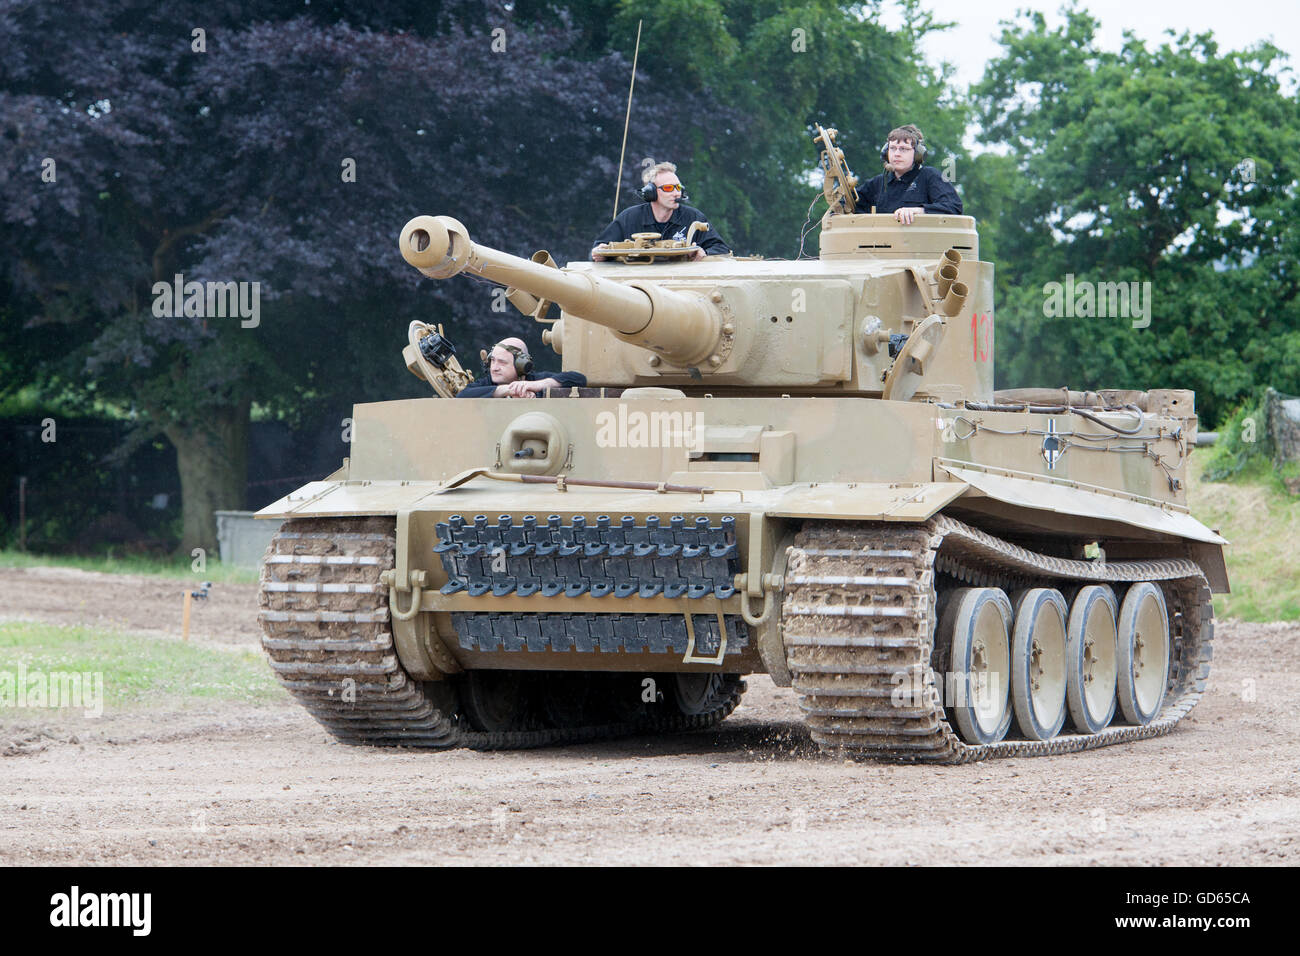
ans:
x=110 y=563
x=139 y=672
x=1261 y=520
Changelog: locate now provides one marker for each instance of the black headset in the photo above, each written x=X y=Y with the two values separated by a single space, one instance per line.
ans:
x=649 y=191
x=523 y=361
x=918 y=157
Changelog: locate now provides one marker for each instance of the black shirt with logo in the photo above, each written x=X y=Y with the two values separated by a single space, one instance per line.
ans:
x=641 y=218
x=921 y=186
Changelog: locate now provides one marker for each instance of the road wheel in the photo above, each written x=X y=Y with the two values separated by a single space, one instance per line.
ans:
x=1090 y=650
x=627 y=697
x=1038 y=663
x=1143 y=653
x=493 y=700
x=701 y=693
x=975 y=626
x=566 y=698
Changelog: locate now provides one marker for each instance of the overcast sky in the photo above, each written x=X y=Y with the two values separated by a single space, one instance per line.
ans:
x=972 y=43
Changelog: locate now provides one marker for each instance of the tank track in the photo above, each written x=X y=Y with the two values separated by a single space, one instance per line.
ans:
x=569 y=559
x=589 y=633
x=859 y=609
x=613 y=561
x=327 y=632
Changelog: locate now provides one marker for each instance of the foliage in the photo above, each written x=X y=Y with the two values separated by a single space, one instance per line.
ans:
x=85 y=484
x=1174 y=165
x=230 y=162
x=1261 y=520
x=770 y=70
x=1231 y=453
x=224 y=158
x=1171 y=163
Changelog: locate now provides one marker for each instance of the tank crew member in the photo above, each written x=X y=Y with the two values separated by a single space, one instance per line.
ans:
x=662 y=212
x=906 y=187
x=511 y=375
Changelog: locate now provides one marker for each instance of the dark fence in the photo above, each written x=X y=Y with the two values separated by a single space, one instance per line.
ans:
x=64 y=488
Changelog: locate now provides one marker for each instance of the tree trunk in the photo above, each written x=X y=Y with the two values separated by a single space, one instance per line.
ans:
x=212 y=458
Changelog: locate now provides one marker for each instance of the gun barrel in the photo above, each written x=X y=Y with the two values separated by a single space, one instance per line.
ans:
x=683 y=327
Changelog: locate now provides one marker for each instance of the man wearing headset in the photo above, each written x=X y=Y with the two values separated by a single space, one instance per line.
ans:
x=906 y=188
x=662 y=211
x=510 y=375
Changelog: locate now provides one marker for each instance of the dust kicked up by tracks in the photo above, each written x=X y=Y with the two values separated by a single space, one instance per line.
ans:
x=235 y=784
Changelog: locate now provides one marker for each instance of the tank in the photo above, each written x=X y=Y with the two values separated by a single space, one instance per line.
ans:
x=793 y=468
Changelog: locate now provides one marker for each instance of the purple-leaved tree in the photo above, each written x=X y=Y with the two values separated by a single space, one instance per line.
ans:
x=227 y=143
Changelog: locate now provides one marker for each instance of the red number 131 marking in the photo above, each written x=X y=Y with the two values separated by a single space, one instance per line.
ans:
x=981 y=334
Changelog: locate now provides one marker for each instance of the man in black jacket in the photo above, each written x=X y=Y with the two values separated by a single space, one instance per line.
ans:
x=906 y=187
x=510 y=375
x=663 y=214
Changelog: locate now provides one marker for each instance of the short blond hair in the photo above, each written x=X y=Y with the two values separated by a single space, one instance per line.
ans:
x=649 y=175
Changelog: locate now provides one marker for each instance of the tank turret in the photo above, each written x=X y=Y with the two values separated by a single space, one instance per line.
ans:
x=839 y=323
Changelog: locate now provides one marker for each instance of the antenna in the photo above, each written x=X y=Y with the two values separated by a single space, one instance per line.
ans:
x=618 y=183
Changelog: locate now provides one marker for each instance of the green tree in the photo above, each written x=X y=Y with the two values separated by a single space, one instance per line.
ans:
x=1174 y=165
x=768 y=71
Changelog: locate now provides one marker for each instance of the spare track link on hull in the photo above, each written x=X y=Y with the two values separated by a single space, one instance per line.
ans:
x=327 y=631
x=859 y=610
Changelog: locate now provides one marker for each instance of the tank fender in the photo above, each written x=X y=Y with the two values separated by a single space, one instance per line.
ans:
x=1037 y=493
x=866 y=501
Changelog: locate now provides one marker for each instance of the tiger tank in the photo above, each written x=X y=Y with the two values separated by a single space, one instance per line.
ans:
x=798 y=468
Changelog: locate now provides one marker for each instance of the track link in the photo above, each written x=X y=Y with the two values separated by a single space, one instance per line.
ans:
x=327 y=632
x=859 y=614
